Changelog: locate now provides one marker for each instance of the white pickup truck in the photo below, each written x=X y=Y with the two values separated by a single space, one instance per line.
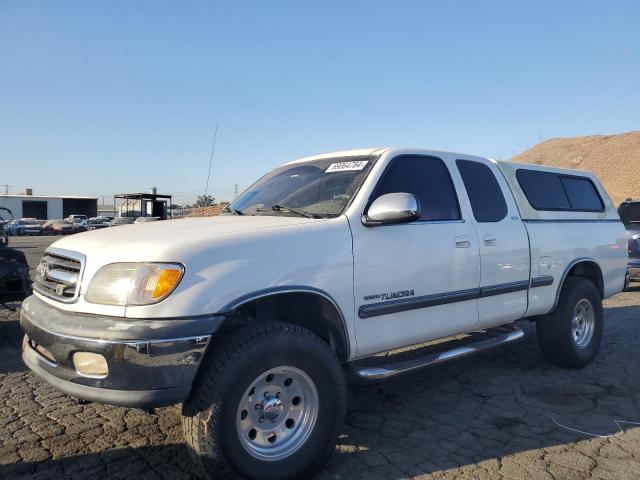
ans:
x=251 y=319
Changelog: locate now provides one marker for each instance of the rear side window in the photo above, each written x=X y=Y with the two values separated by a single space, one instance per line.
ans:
x=428 y=179
x=544 y=190
x=553 y=191
x=582 y=193
x=487 y=201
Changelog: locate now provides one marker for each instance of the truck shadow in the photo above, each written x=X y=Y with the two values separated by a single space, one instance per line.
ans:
x=454 y=416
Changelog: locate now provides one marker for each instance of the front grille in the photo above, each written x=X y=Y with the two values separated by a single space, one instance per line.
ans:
x=58 y=277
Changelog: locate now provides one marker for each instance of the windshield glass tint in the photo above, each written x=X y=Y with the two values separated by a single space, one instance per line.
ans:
x=320 y=187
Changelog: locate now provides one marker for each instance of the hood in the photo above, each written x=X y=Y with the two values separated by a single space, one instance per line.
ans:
x=147 y=241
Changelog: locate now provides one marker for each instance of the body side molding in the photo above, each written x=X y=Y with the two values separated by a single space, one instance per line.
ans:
x=572 y=220
x=394 y=306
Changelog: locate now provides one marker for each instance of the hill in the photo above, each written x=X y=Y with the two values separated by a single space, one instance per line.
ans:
x=615 y=159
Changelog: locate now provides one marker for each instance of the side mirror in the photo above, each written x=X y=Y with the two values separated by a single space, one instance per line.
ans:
x=392 y=208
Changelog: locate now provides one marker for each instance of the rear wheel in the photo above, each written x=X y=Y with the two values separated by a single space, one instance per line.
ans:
x=269 y=403
x=570 y=336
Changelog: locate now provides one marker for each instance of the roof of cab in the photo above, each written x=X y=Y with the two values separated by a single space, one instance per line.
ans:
x=357 y=152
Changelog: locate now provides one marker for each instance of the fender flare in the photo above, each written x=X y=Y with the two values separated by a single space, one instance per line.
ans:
x=567 y=269
x=340 y=326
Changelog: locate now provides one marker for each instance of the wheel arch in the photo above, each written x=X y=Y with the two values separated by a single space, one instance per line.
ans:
x=307 y=307
x=582 y=267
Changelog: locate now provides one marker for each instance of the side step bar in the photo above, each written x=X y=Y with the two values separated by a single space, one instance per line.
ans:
x=493 y=338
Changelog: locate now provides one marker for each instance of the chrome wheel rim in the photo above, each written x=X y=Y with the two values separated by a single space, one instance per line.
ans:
x=583 y=323
x=277 y=413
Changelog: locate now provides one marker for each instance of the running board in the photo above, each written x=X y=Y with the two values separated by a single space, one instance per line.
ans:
x=493 y=338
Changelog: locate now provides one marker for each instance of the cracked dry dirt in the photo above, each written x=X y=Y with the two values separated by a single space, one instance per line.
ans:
x=486 y=417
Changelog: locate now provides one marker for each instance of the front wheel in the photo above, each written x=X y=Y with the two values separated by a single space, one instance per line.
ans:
x=570 y=336
x=269 y=403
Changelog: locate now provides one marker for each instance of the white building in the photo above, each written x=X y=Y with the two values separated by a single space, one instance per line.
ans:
x=47 y=207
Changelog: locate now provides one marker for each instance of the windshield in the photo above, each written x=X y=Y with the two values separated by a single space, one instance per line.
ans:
x=317 y=188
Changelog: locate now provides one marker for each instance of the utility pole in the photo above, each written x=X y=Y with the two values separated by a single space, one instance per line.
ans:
x=6 y=188
x=213 y=147
x=235 y=194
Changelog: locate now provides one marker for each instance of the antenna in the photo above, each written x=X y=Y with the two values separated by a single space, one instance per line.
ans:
x=6 y=188
x=213 y=146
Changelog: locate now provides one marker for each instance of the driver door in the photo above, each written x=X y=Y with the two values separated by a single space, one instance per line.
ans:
x=419 y=280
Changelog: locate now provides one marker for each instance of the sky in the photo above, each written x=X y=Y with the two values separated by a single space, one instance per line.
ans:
x=98 y=98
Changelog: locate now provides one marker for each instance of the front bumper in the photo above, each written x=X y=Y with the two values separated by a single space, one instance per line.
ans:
x=152 y=363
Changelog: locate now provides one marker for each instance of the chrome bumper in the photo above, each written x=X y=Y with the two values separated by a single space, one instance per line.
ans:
x=153 y=367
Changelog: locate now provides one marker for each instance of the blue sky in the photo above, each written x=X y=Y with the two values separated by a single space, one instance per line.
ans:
x=105 y=97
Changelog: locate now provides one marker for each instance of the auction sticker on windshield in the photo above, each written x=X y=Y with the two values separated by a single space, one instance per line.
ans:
x=346 y=166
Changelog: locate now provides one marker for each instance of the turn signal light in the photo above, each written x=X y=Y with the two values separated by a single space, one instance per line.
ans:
x=167 y=280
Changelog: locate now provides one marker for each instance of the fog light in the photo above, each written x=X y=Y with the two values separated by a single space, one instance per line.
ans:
x=90 y=364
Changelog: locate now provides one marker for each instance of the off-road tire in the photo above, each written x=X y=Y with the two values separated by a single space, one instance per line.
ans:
x=232 y=363
x=554 y=331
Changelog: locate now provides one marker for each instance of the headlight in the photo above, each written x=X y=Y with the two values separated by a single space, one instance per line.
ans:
x=134 y=283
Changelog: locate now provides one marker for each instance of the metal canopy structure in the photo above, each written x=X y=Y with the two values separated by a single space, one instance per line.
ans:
x=139 y=201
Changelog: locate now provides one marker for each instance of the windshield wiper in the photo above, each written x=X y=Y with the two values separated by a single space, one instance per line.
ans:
x=282 y=208
x=233 y=211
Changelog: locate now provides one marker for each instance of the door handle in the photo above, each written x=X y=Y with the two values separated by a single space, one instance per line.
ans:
x=490 y=240
x=462 y=241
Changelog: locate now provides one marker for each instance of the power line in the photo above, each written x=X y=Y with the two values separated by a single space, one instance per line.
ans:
x=213 y=146
x=6 y=188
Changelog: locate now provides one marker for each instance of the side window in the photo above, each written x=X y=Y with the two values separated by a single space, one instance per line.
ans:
x=428 y=179
x=582 y=193
x=553 y=191
x=487 y=201
x=544 y=190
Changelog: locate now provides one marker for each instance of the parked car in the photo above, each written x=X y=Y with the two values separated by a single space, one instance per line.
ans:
x=250 y=319
x=147 y=219
x=122 y=221
x=629 y=211
x=23 y=226
x=72 y=218
x=79 y=225
x=15 y=284
x=6 y=216
x=58 y=227
x=96 y=223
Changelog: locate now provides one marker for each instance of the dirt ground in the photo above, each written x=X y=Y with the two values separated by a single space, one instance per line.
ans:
x=504 y=414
